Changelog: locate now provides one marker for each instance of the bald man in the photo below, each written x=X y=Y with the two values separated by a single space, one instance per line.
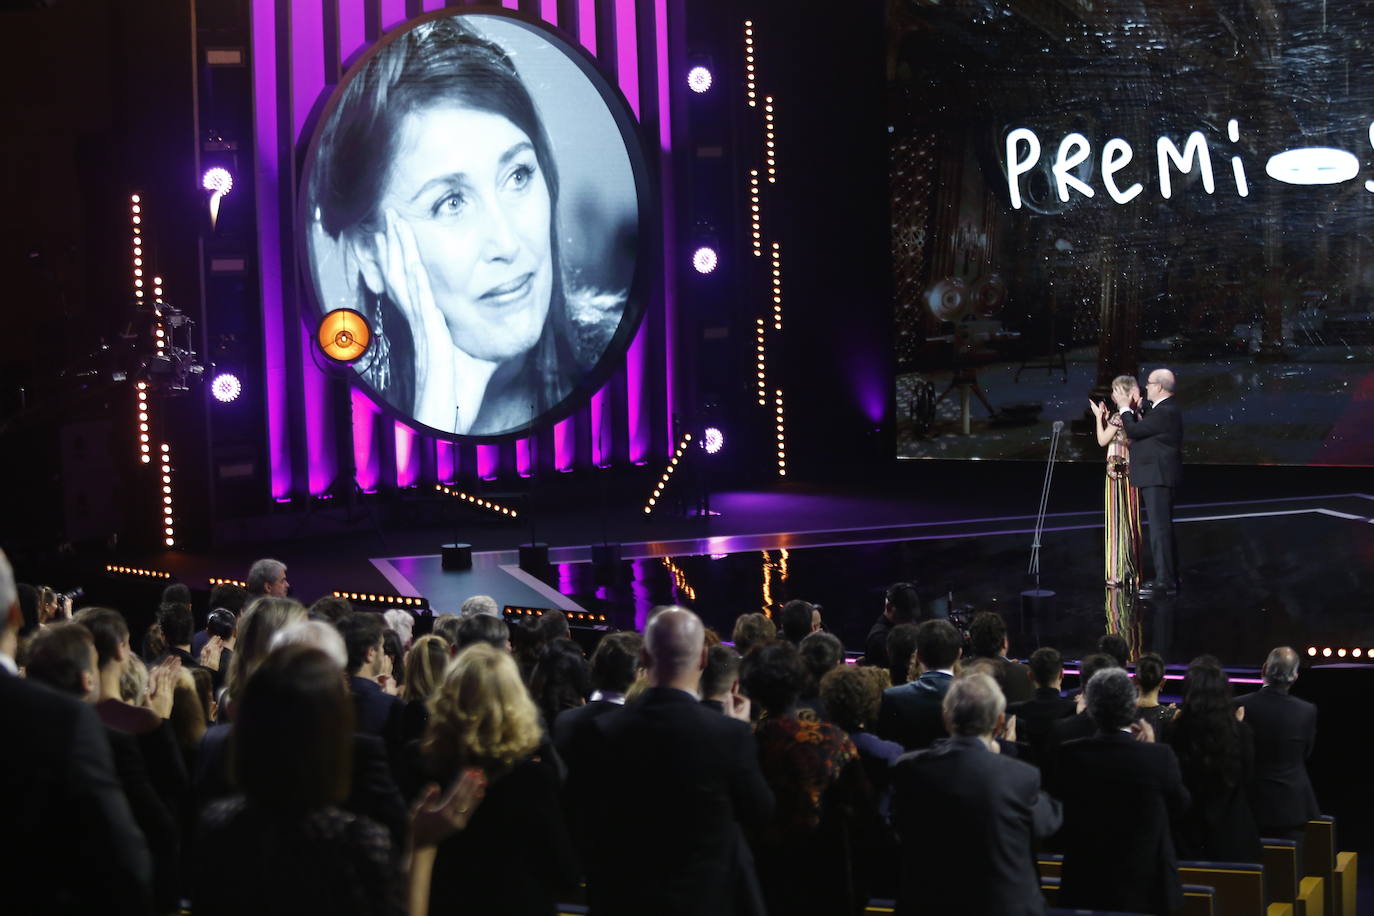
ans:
x=663 y=788
x=1155 y=430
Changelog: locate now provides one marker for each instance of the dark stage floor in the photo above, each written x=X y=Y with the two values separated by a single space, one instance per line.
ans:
x=1257 y=574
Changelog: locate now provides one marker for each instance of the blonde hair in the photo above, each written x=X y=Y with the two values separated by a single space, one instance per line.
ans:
x=260 y=622
x=133 y=681
x=1126 y=383
x=481 y=714
x=425 y=664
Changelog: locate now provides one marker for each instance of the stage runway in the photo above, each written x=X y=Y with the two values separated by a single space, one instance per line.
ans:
x=1257 y=573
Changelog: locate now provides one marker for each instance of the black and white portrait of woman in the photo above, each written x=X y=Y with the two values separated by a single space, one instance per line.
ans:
x=472 y=193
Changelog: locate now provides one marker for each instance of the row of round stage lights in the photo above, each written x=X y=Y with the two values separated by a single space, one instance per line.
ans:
x=668 y=472
x=477 y=501
x=364 y=597
x=1328 y=652
x=136 y=571
x=135 y=220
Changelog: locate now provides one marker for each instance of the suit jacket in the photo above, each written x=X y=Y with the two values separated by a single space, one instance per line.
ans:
x=1285 y=728
x=70 y=843
x=1035 y=719
x=1013 y=678
x=1120 y=796
x=875 y=643
x=569 y=721
x=695 y=774
x=987 y=812
x=1156 y=445
x=910 y=713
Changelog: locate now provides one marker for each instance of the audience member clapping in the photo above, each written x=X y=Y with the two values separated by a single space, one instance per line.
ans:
x=1035 y=717
x=910 y=714
x=820 y=654
x=987 y=812
x=481 y=716
x=294 y=849
x=819 y=786
x=797 y=620
x=561 y=680
x=612 y=672
x=901 y=653
x=475 y=628
x=1149 y=678
x=424 y=668
x=1081 y=724
x=1121 y=793
x=1216 y=752
x=987 y=634
x=257 y=625
x=901 y=604
x=1285 y=729
x=852 y=694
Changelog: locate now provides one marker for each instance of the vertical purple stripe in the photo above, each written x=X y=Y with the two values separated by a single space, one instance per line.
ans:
x=352 y=28
x=627 y=52
x=323 y=462
x=511 y=4
x=548 y=10
x=522 y=457
x=488 y=461
x=586 y=24
x=445 y=460
x=636 y=357
x=307 y=59
x=430 y=5
x=665 y=139
x=640 y=594
x=407 y=456
x=393 y=13
x=564 y=444
x=307 y=83
x=602 y=442
x=367 y=461
x=269 y=241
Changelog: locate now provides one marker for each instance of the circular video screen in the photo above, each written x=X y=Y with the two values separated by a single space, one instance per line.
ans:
x=476 y=191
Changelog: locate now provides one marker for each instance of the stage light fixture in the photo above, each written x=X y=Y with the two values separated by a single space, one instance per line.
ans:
x=750 y=68
x=699 y=79
x=770 y=145
x=215 y=580
x=218 y=182
x=712 y=440
x=477 y=501
x=344 y=335
x=391 y=601
x=781 y=432
x=226 y=387
x=137 y=571
x=704 y=259
x=777 y=286
x=167 y=511
x=755 y=214
x=760 y=363
x=680 y=583
x=667 y=473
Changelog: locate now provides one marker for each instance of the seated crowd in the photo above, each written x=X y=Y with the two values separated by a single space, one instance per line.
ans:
x=286 y=759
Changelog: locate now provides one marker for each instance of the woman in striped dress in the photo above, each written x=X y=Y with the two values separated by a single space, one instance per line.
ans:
x=1122 y=539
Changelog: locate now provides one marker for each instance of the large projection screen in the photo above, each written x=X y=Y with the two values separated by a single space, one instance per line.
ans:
x=1084 y=190
x=476 y=190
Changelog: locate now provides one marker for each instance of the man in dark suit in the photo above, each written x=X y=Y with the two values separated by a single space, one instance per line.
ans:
x=719 y=685
x=613 y=671
x=901 y=605
x=1035 y=717
x=911 y=713
x=987 y=634
x=986 y=809
x=1121 y=792
x=1285 y=728
x=70 y=843
x=665 y=786
x=1156 y=436
x=378 y=712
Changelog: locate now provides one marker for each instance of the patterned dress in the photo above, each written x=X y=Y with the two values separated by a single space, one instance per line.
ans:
x=1122 y=539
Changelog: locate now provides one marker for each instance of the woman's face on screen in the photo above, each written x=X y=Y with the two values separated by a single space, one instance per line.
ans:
x=471 y=187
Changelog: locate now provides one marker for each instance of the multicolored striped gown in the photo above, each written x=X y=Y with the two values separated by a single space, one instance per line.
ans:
x=1122 y=539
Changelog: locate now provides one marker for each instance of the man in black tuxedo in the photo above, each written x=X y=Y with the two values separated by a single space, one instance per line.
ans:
x=70 y=843
x=613 y=671
x=911 y=714
x=987 y=811
x=1156 y=433
x=1285 y=728
x=1035 y=717
x=1120 y=792
x=665 y=786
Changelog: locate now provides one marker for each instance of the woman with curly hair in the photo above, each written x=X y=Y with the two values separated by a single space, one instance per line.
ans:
x=825 y=806
x=515 y=856
x=1216 y=751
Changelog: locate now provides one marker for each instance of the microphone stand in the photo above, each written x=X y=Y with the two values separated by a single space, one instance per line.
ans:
x=1036 y=599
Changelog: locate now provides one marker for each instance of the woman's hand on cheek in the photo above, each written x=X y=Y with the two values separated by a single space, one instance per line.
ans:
x=407 y=283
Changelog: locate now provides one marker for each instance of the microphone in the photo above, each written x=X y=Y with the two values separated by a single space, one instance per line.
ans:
x=1058 y=425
